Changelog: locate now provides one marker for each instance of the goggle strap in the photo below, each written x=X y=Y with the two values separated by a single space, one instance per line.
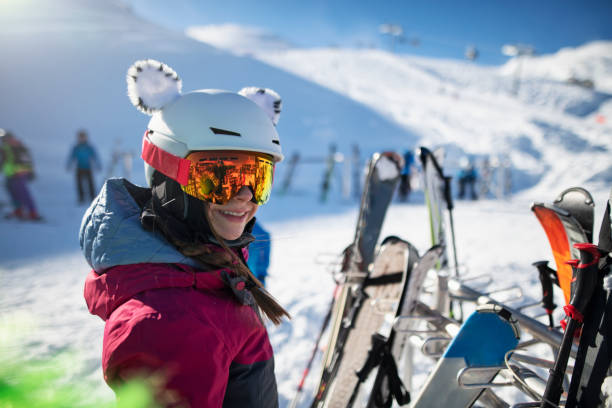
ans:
x=168 y=164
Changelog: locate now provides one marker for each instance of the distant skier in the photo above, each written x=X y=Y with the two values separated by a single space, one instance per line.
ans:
x=467 y=179
x=181 y=308
x=18 y=169
x=86 y=158
x=259 y=253
x=405 y=187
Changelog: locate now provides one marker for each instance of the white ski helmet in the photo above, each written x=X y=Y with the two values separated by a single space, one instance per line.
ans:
x=205 y=119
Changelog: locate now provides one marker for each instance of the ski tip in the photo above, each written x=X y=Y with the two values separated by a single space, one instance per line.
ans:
x=503 y=313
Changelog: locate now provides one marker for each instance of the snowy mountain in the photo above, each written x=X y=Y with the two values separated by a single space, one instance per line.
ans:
x=238 y=39
x=532 y=115
x=591 y=61
x=63 y=68
x=471 y=110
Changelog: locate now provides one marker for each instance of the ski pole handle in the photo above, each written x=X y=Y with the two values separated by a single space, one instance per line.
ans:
x=447 y=192
x=586 y=276
x=547 y=288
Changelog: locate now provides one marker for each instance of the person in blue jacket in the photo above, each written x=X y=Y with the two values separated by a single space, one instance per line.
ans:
x=259 y=253
x=405 y=187
x=86 y=159
x=466 y=177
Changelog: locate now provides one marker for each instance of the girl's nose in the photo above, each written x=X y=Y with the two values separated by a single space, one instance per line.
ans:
x=244 y=194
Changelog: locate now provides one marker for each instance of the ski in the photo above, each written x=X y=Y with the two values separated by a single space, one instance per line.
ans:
x=433 y=183
x=472 y=359
x=380 y=374
x=380 y=296
x=437 y=189
x=564 y=230
x=381 y=180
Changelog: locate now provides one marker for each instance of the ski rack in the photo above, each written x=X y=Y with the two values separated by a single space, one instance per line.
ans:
x=487 y=276
x=437 y=350
x=515 y=373
x=420 y=318
x=427 y=324
x=479 y=371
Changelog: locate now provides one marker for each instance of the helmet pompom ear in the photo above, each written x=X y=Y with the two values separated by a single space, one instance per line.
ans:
x=266 y=98
x=151 y=85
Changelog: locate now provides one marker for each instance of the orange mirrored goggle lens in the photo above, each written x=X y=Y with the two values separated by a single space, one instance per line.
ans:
x=216 y=176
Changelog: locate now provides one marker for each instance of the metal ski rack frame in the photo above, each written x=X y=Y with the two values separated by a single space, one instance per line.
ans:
x=516 y=373
x=530 y=325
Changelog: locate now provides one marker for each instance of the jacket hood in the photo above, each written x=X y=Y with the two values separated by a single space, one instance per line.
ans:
x=111 y=233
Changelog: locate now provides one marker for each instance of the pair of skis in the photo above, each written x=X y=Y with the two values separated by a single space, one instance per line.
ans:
x=567 y=221
x=477 y=352
x=376 y=290
x=591 y=299
x=381 y=180
x=359 y=366
x=359 y=286
x=583 y=274
x=438 y=195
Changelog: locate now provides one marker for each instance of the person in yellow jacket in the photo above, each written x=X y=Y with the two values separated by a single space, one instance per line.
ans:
x=16 y=165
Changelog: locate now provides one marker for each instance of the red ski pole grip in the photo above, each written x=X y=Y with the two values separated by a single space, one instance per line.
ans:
x=573 y=313
x=586 y=250
x=586 y=276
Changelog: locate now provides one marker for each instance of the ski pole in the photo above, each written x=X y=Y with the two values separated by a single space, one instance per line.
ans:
x=449 y=206
x=326 y=320
x=547 y=289
x=586 y=280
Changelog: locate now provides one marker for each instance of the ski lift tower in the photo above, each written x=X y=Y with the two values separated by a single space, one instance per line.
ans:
x=517 y=51
x=394 y=30
x=471 y=52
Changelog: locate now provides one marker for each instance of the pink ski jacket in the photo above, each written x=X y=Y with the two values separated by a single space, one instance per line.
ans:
x=187 y=327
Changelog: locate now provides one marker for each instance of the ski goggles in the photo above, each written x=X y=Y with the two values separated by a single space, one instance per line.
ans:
x=216 y=176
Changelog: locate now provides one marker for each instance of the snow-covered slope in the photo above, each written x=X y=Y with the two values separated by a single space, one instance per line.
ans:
x=473 y=110
x=63 y=67
x=592 y=61
x=64 y=64
x=528 y=112
x=238 y=39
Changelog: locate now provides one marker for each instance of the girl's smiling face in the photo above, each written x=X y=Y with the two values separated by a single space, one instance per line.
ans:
x=229 y=219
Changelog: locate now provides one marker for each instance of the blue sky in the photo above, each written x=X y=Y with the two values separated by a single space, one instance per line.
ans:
x=444 y=28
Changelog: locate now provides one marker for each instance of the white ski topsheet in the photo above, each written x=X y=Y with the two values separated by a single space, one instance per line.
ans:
x=387 y=169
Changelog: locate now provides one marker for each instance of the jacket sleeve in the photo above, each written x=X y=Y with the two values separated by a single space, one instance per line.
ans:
x=188 y=359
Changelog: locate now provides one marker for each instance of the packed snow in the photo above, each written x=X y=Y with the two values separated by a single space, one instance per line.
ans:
x=64 y=66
